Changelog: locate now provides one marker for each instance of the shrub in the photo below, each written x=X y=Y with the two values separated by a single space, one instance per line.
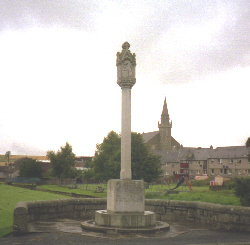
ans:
x=230 y=184
x=200 y=182
x=242 y=190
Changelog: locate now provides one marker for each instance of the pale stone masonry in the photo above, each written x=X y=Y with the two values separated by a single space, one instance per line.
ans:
x=225 y=161
x=215 y=215
x=125 y=197
x=231 y=161
x=126 y=63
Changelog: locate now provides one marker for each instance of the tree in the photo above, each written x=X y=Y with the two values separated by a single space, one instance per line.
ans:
x=145 y=164
x=248 y=145
x=242 y=190
x=31 y=168
x=7 y=154
x=62 y=161
x=107 y=161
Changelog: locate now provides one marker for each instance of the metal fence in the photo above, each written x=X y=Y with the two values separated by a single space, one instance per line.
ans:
x=23 y=180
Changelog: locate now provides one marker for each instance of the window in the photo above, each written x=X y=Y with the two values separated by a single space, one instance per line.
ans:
x=166 y=173
x=205 y=172
x=212 y=160
x=220 y=160
x=212 y=171
x=231 y=161
x=191 y=171
x=197 y=171
x=221 y=171
x=229 y=171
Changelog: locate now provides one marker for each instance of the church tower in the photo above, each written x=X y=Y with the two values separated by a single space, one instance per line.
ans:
x=165 y=129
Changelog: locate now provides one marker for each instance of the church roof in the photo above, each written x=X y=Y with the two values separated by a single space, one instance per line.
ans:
x=149 y=136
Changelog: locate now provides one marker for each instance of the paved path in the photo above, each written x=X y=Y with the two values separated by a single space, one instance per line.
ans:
x=65 y=232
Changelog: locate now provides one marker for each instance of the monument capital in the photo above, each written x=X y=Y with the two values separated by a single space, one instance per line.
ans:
x=125 y=63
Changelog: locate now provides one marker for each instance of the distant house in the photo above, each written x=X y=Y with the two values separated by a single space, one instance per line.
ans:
x=231 y=161
x=81 y=162
x=3 y=172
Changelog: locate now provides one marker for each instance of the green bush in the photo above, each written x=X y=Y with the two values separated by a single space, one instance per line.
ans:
x=242 y=190
x=230 y=184
x=200 y=182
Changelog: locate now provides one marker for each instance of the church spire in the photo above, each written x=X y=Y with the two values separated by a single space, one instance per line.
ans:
x=165 y=128
x=165 y=115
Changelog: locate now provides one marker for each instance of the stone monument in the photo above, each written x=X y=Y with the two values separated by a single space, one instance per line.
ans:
x=125 y=197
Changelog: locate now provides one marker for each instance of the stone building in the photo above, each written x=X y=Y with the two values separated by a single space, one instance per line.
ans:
x=176 y=160
x=162 y=139
x=230 y=161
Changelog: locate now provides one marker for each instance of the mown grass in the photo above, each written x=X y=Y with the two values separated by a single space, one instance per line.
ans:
x=202 y=194
x=10 y=196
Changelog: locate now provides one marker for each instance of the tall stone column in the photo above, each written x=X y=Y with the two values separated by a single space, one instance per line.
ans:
x=125 y=197
x=126 y=135
x=126 y=63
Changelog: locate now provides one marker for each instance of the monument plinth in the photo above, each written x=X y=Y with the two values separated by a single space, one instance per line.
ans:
x=125 y=197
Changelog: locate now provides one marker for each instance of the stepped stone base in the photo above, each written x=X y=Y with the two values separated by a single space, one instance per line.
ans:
x=91 y=226
x=145 y=219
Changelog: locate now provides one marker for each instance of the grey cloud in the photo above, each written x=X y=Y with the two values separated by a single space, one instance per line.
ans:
x=16 y=14
x=230 y=48
x=18 y=148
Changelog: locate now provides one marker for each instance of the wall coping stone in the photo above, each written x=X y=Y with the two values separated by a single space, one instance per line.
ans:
x=223 y=216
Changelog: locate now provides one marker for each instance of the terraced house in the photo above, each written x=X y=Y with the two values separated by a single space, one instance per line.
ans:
x=176 y=160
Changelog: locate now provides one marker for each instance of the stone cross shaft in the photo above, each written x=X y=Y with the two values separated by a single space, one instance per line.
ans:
x=126 y=63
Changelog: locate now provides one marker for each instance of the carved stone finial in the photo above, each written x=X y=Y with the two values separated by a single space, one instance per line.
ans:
x=126 y=45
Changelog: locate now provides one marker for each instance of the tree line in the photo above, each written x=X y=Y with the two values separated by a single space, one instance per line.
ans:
x=106 y=163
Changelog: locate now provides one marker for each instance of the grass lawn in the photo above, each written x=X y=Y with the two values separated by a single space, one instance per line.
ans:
x=10 y=196
x=202 y=194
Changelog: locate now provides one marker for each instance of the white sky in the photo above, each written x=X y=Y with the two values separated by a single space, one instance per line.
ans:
x=58 y=71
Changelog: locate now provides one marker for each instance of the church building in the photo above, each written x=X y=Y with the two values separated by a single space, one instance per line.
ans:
x=162 y=139
x=176 y=160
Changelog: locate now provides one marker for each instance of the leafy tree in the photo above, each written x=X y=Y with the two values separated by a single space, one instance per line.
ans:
x=7 y=155
x=107 y=160
x=87 y=175
x=31 y=168
x=248 y=142
x=248 y=145
x=62 y=161
x=242 y=190
x=106 y=163
x=145 y=165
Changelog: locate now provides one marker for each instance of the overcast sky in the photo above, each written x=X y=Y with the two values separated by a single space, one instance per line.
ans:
x=58 y=71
